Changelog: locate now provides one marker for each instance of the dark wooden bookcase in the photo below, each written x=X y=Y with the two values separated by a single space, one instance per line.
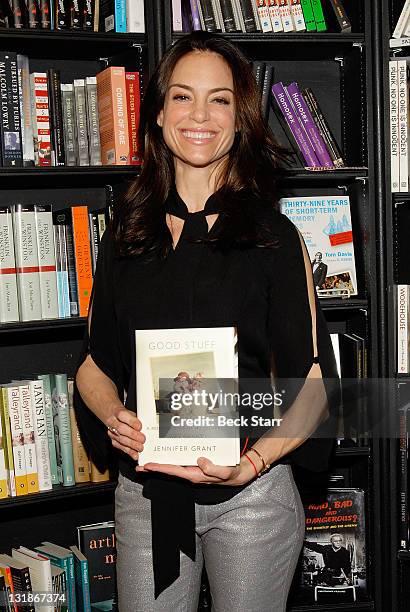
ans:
x=346 y=72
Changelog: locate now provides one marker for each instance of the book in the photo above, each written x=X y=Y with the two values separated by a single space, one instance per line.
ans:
x=403 y=322
x=20 y=574
x=196 y=22
x=285 y=15
x=56 y=117
x=8 y=578
x=208 y=15
x=96 y=475
x=135 y=18
x=81 y=117
x=9 y=308
x=112 y=107
x=40 y=571
x=403 y=486
x=62 y=431
x=171 y=364
x=275 y=16
x=64 y=559
x=319 y=16
x=11 y=399
x=26 y=251
x=40 y=434
x=308 y=16
x=340 y=15
x=132 y=84
x=40 y=118
x=228 y=15
x=74 y=15
x=70 y=124
x=113 y=15
x=334 y=552
x=266 y=90
x=97 y=543
x=45 y=13
x=61 y=273
x=46 y=260
x=394 y=126
x=82 y=582
x=64 y=217
x=25 y=110
x=297 y=15
x=264 y=17
x=27 y=420
x=48 y=414
x=248 y=15
x=93 y=123
x=299 y=135
x=177 y=25
x=81 y=463
x=7 y=439
x=88 y=14
x=34 y=14
x=326 y=227
x=10 y=121
x=402 y=115
x=323 y=127
x=4 y=476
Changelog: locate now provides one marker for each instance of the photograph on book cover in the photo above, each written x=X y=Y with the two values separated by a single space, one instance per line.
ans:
x=338 y=285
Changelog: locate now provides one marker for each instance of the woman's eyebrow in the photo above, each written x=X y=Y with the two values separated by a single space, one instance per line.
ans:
x=215 y=89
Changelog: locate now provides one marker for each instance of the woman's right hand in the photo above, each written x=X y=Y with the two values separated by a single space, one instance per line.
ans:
x=127 y=435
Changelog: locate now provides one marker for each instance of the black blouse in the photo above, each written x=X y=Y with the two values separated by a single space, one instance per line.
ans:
x=260 y=290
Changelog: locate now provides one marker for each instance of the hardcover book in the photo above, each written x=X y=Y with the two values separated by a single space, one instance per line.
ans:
x=112 y=108
x=47 y=261
x=70 y=124
x=9 y=309
x=326 y=226
x=172 y=365
x=94 y=144
x=334 y=552
x=10 y=120
x=25 y=110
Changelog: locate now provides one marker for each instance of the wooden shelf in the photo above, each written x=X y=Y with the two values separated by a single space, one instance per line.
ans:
x=58 y=492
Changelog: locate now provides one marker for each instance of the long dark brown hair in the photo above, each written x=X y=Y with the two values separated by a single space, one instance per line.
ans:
x=139 y=223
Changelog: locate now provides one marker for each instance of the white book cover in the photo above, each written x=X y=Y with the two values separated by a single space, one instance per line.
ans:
x=297 y=15
x=40 y=573
x=17 y=437
x=402 y=329
x=258 y=24
x=402 y=71
x=284 y=11
x=326 y=227
x=403 y=24
x=135 y=16
x=264 y=17
x=174 y=363
x=93 y=121
x=176 y=16
x=46 y=261
x=26 y=409
x=218 y=14
x=399 y=42
x=394 y=126
x=4 y=475
x=9 y=308
x=28 y=277
x=40 y=118
x=40 y=434
x=238 y=15
x=275 y=16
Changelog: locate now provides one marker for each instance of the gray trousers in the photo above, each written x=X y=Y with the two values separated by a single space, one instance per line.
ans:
x=250 y=545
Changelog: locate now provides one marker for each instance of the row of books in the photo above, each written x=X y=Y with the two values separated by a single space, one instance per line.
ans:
x=41 y=444
x=92 y=121
x=267 y=16
x=303 y=122
x=91 y=15
x=53 y=578
x=399 y=123
x=47 y=260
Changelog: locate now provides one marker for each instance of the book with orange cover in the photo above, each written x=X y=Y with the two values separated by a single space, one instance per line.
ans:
x=112 y=109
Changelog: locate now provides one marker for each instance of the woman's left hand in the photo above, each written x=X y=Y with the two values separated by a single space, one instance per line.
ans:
x=206 y=472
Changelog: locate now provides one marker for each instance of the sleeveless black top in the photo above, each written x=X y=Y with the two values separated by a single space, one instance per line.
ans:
x=262 y=291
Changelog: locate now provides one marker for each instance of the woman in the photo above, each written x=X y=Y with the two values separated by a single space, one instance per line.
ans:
x=204 y=208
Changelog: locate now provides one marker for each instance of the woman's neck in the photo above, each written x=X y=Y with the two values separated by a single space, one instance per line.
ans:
x=195 y=185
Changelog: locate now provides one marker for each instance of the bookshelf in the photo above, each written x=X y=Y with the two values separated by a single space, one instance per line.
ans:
x=346 y=71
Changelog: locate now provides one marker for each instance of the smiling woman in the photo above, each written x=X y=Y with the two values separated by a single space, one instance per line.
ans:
x=198 y=242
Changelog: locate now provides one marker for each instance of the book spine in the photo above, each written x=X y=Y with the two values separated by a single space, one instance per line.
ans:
x=97 y=476
x=74 y=15
x=45 y=14
x=399 y=30
x=208 y=15
x=238 y=15
x=25 y=110
x=17 y=12
x=258 y=69
x=56 y=117
x=309 y=125
x=318 y=14
x=341 y=16
x=297 y=15
x=248 y=15
x=46 y=260
x=403 y=329
x=48 y=415
x=394 y=126
x=403 y=478
x=266 y=91
x=94 y=241
x=81 y=115
x=85 y=586
x=61 y=18
x=228 y=16
x=96 y=25
x=81 y=463
x=133 y=108
x=40 y=436
x=120 y=15
x=177 y=16
x=264 y=17
x=9 y=309
x=5 y=420
x=323 y=128
x=275 y=17
x=72 y=273
x=64 y=429
x=119 y=155
x=88 y=15
x=286 y=108
x=34 y=16
x=69 y=124
x=4 y=487
x=10 y=120
x=64 y=271
x=28 y=280
x=136 y=16
x=26 y=409
x=308 y=16
x=196 y=22
x=256 y=15
x=402 y=74
x=218 y=15
x=17 y=437
x=284 y=11
x=41 y=118
x=60 y=290
x=93 y=123
x=82 y=257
